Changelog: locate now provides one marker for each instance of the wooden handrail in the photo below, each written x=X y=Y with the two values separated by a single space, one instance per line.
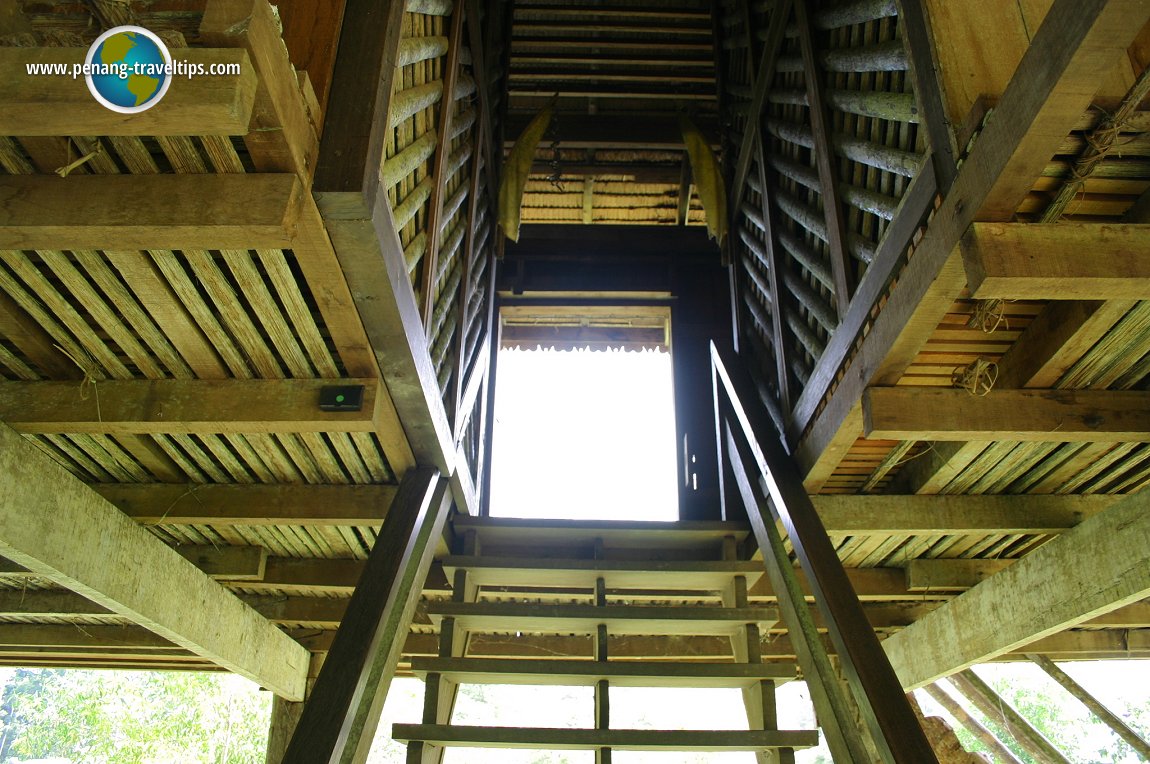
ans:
x=882 y=702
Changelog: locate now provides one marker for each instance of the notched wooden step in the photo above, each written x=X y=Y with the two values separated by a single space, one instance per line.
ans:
x=619 y=619
x=550 y=739
x=587 y=673
x=690 y=575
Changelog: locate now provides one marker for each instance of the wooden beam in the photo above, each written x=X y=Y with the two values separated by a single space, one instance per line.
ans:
x=565 y=739
x=219 y=104
x=235 y=563
x=905 y=413
x=1057 y=261
x=950 y=575
x=280 y=135
x=241 y=211
x=356 y=121
x=193 y=407
x=29 y=337
x=226 y=505
x=1053 y=85
x=1099 y=566
x=339 y=721
x=371 y=256
x=1108 y=717
x=88 y=546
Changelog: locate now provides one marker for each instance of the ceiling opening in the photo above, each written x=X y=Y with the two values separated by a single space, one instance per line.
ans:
x=584 y=415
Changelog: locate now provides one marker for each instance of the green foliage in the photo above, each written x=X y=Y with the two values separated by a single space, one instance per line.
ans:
x=132 y=717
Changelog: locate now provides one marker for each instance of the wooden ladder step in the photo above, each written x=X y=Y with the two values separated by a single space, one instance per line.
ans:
x=587 y=673
x=696 y=575
x=551 y=739
x=619 y=619
x=620 y=534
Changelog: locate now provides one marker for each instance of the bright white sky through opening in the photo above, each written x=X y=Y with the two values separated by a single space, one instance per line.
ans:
x=584 y=436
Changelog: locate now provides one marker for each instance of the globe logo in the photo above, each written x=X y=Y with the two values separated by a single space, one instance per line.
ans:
x=128 y=69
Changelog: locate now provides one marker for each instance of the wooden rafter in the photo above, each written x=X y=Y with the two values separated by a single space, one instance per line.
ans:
x=841 y=268
x=131 y=572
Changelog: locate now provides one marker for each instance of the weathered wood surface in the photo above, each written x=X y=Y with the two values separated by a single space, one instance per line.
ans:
x=86 y=545
x=1099 y=566
x=182 y=406
x=183 y=211
x=904 y=413
x=217 y=104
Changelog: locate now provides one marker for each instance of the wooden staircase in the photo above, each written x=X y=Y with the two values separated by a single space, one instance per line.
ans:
x=547 y=577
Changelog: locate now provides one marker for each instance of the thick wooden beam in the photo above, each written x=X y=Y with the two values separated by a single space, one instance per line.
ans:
x=950 y=575
x=366 y=506
x=57 y=527
x=905 y=413
x=371 y=256
x=224 y=505
x=1053 y=85
x=1099 y=566
x=356 y=121
x=149 y=407
x=218 y=104
x=243 y=211
x=339 y=721
x=1057 y=261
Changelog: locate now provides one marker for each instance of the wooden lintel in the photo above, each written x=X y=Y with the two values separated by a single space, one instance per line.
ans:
x=1052 y=87
x=86 y=545
x=166 y=406
x=1058 y=261
x=244 y=211
x=60 y=104
x=1048 y=416
x=1099 y=566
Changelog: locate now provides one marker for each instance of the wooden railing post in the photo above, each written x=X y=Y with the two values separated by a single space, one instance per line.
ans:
x=880 y=698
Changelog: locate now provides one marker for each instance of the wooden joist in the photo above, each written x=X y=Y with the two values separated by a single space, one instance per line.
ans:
x=942 y=414
x=590 y=739
x=84 y=544
x=950 y=575
x=182 y=406
x=1100 y=566
x=136 y=212
x=1063 y=261
x=59 y=104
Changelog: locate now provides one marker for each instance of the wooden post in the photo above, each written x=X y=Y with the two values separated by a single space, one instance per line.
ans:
x=339 y=721
x=1110 y=719
x=602 y=688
